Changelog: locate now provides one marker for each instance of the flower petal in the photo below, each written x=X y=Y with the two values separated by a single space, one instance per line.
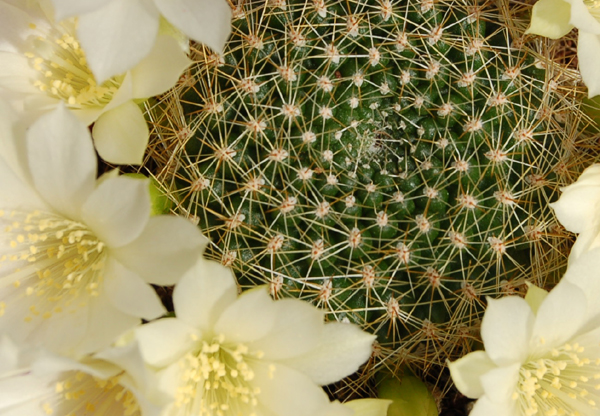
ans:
x=485 y=407
x=588 y=54
x=288 y=392
x=343 y=348
x=534 y=297
x=129 y=358
x=62 y=160
x=466 y=373
x=499 y=383
x=550 y=18
x=130 y=293
x=205 y=21
x=506 y=329
x=577 y=206
x=297 y=330
x=16 y=74
x=369 y=407
x=167 y=248
x=160 y=70
x=117 y=36
x=559 y=316
x=70 y=8
x=164 y=341
x=249 y=318
x=203 y=293
x=118 y=210
x=121 y=135
x=583 y=273
x=582 y=19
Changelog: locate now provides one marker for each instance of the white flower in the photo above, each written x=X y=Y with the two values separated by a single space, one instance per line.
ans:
x=542 y=353
x=248 y=355
x=578 y=209
x=76 y=254
x=117 y=34
x=114 y=382
x=43 y=65
x=556 y=18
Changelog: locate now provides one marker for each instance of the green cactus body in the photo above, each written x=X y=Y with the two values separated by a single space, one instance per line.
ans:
x=390 y=161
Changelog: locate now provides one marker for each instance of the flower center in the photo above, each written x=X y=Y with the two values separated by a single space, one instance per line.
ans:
x=57 y=263
x=63 y=72
x=79 y=393
x=217 y=380
x=565 y=383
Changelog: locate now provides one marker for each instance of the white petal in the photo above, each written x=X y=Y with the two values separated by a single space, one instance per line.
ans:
x=130 y=293
x=70 y=8
x=16 y=74
x=550 y=18
x=203 y=293
x=129 y=358
x=9 y=355
x=249 y=318
x=285 y=391
x=121 y=135
x=584 y=273
x=62 y=160
x=506 y=329
x=117 y=36
x=588 y=240
x=577 y=206
x=582 y=19
x=164 y=341
x=297 y=330
x=118 y=210
x=499 y=383
x=205 y=21
x=160 y=70
x=167 y=248
x=559 y=316
x=534 y=297
x=466 y=373
x=343 y=349
x=369 y=407
x=19 y=392
x=485 y=407
x=588 y=54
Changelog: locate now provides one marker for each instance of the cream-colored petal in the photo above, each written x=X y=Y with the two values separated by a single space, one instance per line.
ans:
x=285 y=391
x=506 y=329
x=121 y=135
x=70 y=8
x=582 y=19
x=167 y=248
x=16 y=74
x=203 y=293
x=534 y=297
x=485 y=407
x=62 y=160
x=499 y=383
x=249 y=318
x=560 y=315
x=205 y=21
x=130 y=293
x=369 y=407
x=117 y=36
x=159 y=70
x=164 y=341
x=577 y=206
x=466 y=373
x=118 y=210
x=298 y=328
x=588 y=55
x=342 y=350
x=550 y=18
x=583 y=273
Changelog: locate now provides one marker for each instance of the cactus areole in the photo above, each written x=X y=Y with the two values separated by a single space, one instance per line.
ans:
x=390 y=161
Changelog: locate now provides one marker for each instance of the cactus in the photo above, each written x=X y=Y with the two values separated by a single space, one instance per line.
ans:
x=389 y=160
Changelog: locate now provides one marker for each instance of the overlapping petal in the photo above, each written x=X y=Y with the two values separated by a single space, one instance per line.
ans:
x=550 y=18
x=467 y=371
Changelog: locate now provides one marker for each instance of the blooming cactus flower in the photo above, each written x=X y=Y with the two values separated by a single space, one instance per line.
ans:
x=43 y=65
x=248 y=355
x=542 y=354
x=77 y=254
x=117 y=34
x=578 y=209
x=113 y=382
x=556 y=18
